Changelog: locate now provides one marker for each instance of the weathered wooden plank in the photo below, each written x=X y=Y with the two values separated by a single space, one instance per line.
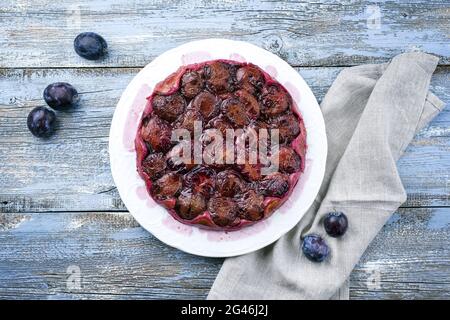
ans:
x=71 y=171
x=40 y=33
x=409 y=259
x=119 y=260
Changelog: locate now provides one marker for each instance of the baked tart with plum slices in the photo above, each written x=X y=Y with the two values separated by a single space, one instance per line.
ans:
x=220 y=144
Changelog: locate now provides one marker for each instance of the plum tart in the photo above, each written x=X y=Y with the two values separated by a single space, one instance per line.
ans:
x=180 y=126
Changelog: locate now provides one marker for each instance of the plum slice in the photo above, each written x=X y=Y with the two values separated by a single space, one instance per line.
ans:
x=201 y=180
x=288 y=160
x=207 y=104
x=187 y=120
x=229 y=183
x=274 y=185
x=223 y=210
x=264 y=141
x=288 y=126
x=274 y=100
x=157 y=133
x=218 y=156
x=251 y=171
x=251 y=205
x=219 y=77
x=250 y=103
x=191 y=84
x=189 y=205
x=154 y=165
x=175 y=159
x=168 y=107
x=259 y=124
x=249 y=167
x=220 y=123
x=250 y=78
x=168 y=186
x=235 y=111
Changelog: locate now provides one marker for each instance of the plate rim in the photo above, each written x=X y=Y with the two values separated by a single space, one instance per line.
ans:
x=176 y=244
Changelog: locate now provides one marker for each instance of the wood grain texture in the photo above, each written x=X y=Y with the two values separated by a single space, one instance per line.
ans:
x=70 y=171
x=77 y=216
x=119 y=260
x=410 y=257
x=40 y=33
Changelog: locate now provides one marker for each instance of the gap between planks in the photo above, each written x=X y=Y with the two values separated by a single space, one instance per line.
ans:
x=126 y=211
x=439 y=66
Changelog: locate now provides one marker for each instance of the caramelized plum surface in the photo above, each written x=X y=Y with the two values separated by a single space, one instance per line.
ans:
x=187 y=120
x=236 y=112
x=288 y=127
x=274 y=100
x=219 y=76
x=289 y=161
x=190 y=205
x=223 y=210
x=222 y=95
x=207 y=104
x=251 y=205
x=251 y=105
x=201 y=180
x=250 y=78
x=274 y=185
x=157 y=133
x=191 y=84
x=169 y=107
x=167 y=186
x=220 y=123
x=154 y=165
x=229 y=183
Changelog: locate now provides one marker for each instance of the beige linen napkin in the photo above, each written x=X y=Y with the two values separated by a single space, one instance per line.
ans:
x=371 y=113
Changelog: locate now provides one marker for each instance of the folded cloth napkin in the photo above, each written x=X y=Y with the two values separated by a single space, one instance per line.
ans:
x=371 y=114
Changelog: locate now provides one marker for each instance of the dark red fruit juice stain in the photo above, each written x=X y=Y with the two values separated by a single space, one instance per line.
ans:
x=132 y=121
x=177 y=226
x=142 y=193
x=233 y=236
x=192 y=57
x=271 y=71
x=237 y=57
x=293 y=91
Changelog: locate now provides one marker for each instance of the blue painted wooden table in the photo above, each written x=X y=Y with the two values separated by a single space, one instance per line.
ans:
x=60 y=214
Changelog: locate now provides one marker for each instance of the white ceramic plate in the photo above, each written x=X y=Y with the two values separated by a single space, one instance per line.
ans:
x=155 y=218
